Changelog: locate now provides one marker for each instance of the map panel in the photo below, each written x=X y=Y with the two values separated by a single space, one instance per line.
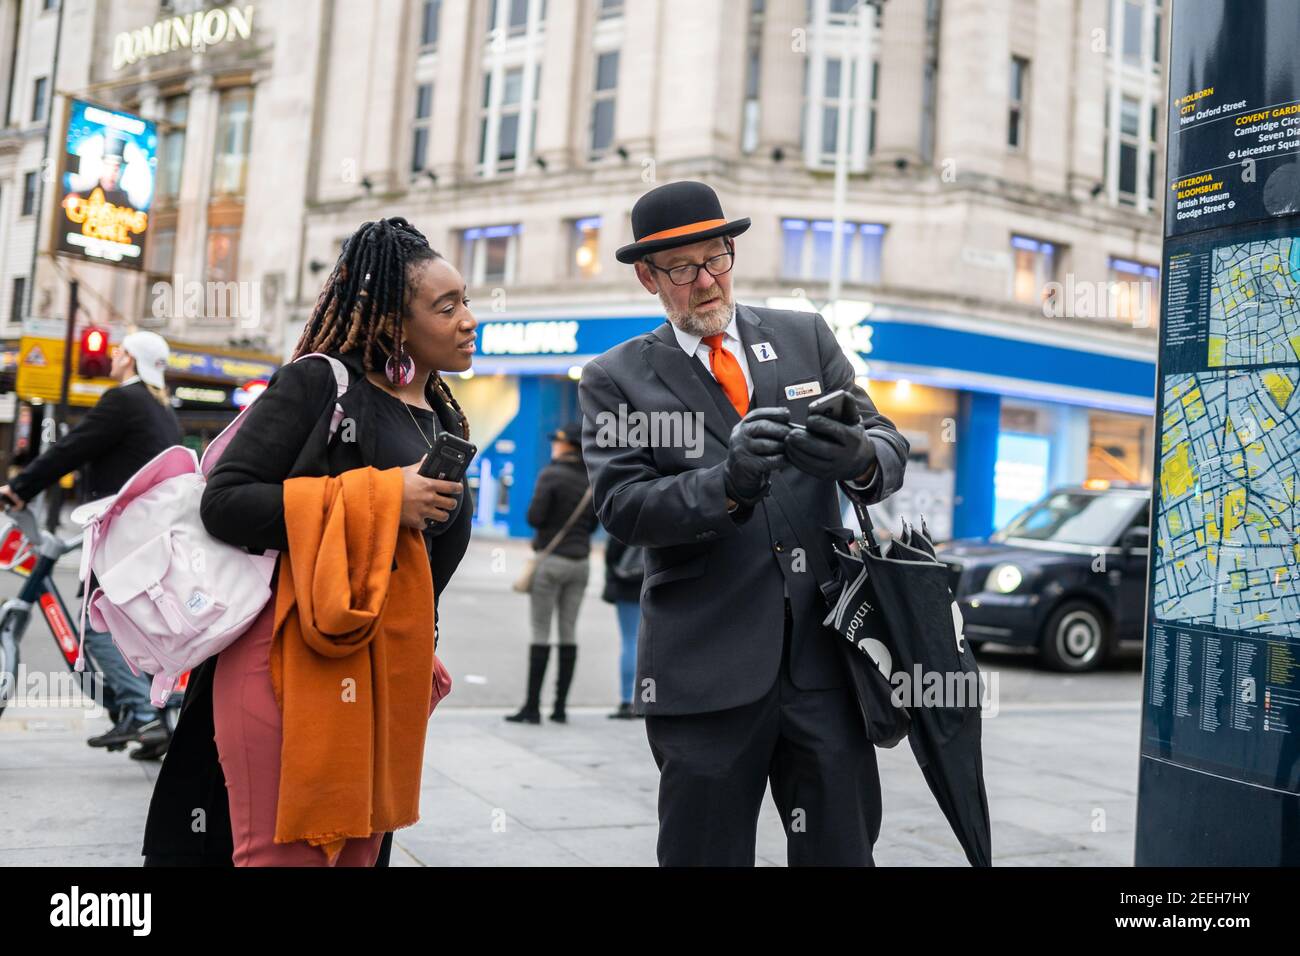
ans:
x=1254 y=303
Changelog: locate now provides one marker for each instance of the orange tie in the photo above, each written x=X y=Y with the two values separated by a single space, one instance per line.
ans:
x=728 y=373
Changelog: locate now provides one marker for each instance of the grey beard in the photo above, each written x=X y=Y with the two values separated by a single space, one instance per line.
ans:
x=709 y=323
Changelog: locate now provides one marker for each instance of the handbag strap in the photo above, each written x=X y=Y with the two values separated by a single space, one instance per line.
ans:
x=568 y=523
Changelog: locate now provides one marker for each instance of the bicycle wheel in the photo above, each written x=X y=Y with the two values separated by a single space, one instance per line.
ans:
x=8 y=662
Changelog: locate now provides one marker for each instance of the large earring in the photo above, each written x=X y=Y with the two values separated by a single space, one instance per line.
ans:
x=400 y=368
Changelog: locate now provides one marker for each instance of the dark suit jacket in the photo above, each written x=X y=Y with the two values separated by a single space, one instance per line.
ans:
x=121 y=433
x=712 y=601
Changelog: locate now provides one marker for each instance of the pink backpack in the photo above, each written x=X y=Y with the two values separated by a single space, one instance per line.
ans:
x=170 y=593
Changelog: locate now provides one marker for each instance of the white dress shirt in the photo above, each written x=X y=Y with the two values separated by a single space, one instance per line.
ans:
x=695 y=345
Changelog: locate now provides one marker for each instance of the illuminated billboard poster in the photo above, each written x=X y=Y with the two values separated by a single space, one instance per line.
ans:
x=106 y=185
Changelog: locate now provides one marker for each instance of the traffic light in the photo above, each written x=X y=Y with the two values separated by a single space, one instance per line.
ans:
x=93 y=360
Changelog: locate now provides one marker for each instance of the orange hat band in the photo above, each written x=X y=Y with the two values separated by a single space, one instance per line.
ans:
x=701 y=226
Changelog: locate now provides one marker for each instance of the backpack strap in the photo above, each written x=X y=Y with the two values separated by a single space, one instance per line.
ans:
x=341 y=380
x=218 y=445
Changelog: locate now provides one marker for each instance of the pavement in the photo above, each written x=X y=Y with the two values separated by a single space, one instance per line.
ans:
x=1060 y=760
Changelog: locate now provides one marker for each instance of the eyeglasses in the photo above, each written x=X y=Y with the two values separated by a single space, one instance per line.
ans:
x=684 y=275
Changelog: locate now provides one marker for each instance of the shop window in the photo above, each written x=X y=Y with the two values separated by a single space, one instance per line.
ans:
x=1120 y=447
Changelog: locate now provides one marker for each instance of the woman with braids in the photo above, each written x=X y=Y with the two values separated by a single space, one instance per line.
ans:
x=395 y=314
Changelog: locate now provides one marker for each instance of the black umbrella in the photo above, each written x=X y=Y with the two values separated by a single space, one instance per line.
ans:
x=854 y=616
x=904 y=595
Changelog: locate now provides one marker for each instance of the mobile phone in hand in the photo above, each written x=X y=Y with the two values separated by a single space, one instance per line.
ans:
x=449 y=458
x=838 y=405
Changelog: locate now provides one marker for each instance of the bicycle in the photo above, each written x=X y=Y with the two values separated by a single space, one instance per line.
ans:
x=30 y=551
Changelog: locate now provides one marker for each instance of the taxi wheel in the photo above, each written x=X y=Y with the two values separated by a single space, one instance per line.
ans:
x=1075 y=638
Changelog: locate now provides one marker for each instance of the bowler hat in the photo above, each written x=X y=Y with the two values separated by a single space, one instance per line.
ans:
x=677 y=214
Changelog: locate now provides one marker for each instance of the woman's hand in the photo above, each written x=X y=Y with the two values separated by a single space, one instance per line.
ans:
x=427 y=498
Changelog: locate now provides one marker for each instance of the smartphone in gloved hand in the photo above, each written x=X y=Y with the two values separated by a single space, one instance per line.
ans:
x=838 y=405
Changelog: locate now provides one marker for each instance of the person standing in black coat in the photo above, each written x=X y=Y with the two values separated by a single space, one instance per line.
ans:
x=394 y=312
x=129 y=425
x=561 y=512
x=624 y=572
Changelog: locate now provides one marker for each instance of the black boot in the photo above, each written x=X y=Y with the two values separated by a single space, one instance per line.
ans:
x=568 y=657
x=115 y=714
x=151 y=751
x=125 y=730
x=531 y=712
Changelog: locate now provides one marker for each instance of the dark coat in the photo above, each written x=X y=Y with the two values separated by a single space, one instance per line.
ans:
x=559 y=488
x=712 y=605
x=619 y=587
x=121 y=433
x=286 y=436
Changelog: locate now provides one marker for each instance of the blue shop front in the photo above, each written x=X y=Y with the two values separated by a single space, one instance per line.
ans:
x=994 y=419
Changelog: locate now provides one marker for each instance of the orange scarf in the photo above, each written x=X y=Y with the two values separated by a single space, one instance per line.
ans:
x=352 y=670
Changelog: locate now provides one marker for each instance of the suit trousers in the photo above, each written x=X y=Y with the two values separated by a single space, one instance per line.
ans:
x=809 y=744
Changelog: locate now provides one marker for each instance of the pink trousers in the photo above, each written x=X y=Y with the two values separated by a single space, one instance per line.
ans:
x=248 y=731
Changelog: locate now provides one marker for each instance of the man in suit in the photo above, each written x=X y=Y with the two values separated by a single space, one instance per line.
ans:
x=738 y=680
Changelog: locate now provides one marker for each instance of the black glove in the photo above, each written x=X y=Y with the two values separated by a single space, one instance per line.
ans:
x=830 y=449
x=756 y=450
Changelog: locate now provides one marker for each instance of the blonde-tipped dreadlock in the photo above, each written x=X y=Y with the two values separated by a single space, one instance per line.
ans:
x=363 y=300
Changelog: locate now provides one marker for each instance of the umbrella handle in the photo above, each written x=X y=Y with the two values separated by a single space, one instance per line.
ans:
x=864 y=519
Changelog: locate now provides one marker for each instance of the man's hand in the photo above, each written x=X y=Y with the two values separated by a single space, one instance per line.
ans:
x=7 y=497
x=827 y=448
x=756 y=450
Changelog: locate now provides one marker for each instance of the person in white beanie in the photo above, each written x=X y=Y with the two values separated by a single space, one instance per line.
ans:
x=129 y=425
